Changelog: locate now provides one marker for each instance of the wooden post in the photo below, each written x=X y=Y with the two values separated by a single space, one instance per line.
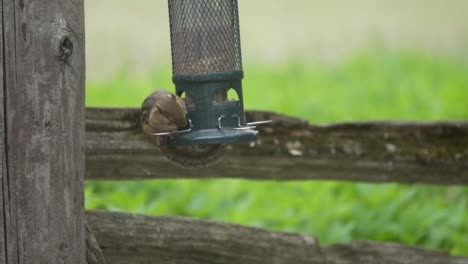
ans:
x=42 y=135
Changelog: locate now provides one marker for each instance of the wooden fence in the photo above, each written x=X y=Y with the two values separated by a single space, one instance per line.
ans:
x=290 y=149
x=44 y=146
x=287 y=149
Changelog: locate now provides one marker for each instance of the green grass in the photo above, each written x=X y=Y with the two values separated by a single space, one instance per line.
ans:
x=373 y=85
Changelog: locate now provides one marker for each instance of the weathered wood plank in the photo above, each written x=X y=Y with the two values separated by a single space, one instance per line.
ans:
x=130 y=239
x=290 y=149
x=126 y=238
x=9 y=79
x=368 y=252
x=3 y=173
x=94 y=253
x=43 y=162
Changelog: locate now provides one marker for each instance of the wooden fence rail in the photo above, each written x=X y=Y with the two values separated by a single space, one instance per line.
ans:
x=287 y=149
x=128 y=239
x=290 y=149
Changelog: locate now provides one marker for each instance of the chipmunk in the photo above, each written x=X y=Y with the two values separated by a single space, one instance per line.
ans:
x=163 y=111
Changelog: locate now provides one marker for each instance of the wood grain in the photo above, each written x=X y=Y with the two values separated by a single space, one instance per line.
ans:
x=94 y=253
x=43 y=123
x=126 y=238
x=9 y=80
x=370 y=252
x=3 y=166
x=290 y=149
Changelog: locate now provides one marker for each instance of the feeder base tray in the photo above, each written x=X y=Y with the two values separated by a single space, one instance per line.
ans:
x=213 y=136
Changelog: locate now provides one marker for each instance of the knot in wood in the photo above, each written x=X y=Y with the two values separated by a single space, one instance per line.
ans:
x=65 y=48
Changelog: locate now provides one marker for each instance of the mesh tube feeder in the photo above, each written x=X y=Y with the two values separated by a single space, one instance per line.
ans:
x=206 y=64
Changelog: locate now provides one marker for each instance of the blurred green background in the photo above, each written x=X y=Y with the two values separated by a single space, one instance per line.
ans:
x=324 y=61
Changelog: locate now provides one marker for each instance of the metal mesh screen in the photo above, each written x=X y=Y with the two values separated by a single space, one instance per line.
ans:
x=204 y=36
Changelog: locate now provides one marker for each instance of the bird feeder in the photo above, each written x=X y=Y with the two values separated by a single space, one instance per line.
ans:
x=207 y=65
